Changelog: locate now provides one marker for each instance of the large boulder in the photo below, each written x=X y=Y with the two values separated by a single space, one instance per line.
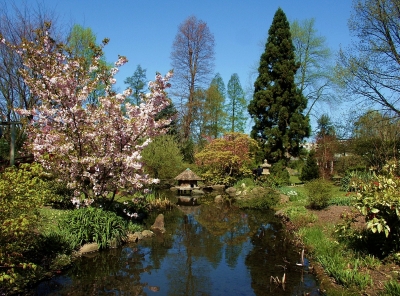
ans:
x=231 y=191
x=219 y=199
x=159 y=224
x=88 y=248
x=218 y=187
x=147 y=233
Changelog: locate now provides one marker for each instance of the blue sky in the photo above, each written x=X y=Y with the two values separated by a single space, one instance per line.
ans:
x=144 y=30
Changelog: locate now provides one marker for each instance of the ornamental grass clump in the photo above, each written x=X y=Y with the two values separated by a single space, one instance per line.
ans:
x=89 y=225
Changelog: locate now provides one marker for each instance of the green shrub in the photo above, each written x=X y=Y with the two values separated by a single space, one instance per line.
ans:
x=310 y=170
x=61 y=195
x=378 y=200
x=319 y=193
x=280 y=174
x=133 y=227
x=299 y=216
x=88 y=225
x=22 y=192
x=353 y=177
x=259 y=198
x=248 y=183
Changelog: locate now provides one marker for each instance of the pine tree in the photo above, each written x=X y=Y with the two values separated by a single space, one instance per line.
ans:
x=236 y=105
x=277 y=105
x=310 y=170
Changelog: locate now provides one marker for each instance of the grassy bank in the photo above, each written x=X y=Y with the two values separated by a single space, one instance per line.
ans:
x=342 y=266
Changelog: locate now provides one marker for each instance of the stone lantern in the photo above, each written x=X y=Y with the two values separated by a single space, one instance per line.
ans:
x=265 y=167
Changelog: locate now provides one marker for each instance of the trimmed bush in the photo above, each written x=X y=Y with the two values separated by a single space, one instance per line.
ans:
x=319 y=192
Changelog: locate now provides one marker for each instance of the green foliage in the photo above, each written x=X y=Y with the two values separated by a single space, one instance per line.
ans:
x=132 y=227
x=313 y=55
x=299 y=216
x=236 y=106
x=61 y=195
x=163 y=158
x=227 y=159
x=310 y=170
x=335 y=260
x=319 y=193
x=379 y=201
x=22 y=192
x=392 y=288
x=248 y=183
x=261 y=198
x=349 y=163
x=354 y=177
x=376 y=138
x=136 y=82
x=280 y=174
x=277 y=105
x=91 y=224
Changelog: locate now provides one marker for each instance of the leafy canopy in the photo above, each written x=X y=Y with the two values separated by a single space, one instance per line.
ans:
x=226 y=159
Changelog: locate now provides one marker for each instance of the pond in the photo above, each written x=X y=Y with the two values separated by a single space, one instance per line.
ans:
x=207 y=250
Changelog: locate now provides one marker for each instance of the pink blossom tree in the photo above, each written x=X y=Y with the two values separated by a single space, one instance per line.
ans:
x=95 y=148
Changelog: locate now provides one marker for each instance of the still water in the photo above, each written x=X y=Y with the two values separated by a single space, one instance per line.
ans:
x=207 y=250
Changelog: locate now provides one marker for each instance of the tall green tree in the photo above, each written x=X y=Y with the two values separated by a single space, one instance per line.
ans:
x=310 y=170
x=236 y=105
x=314 y=77
x=163 y=158
x=277 y=105
x=219 y=82
x=209 y=115
x=82 y=44
x=137 y=83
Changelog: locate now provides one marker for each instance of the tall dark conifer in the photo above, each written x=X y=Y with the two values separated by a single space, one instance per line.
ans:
x=277 y=105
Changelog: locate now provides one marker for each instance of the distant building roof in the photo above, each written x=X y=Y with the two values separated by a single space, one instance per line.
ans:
x=188 y=175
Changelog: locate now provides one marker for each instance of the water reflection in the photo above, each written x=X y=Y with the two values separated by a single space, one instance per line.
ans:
x=207 y=250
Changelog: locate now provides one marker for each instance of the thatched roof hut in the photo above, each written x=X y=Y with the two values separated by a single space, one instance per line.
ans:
x=188 y=175
x=187 y=181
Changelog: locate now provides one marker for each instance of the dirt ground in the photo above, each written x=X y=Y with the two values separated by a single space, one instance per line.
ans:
x=332 y=215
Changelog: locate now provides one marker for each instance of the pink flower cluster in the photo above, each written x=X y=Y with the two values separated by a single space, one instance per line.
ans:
x=95 y=147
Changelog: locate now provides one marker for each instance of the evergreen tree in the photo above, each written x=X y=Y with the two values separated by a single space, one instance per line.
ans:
x=311 y=170
x=137 y=83
x=219 y=82
x=236 y=105
x=277 y=105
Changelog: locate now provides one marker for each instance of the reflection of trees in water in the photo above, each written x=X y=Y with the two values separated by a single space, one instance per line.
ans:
x=107 y=272
x=229 y=226
x=272 y=255
x=188 y=273
x=159 y=246
x=197 y=240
